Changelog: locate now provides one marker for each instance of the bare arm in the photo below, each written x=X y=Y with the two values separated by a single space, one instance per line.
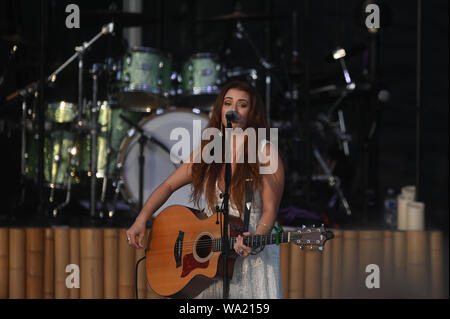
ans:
x=180 y=177
x=272 y=187
x=271 y=193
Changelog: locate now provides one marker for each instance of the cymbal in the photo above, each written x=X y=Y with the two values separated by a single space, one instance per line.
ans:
x=124 y=19
x=237 y=15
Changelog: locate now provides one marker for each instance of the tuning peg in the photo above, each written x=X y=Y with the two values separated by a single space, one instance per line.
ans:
x=311 y=247
x=302 y=247
x=303 y=226
x=313 y=226
x=320 y=248
x=323 y=225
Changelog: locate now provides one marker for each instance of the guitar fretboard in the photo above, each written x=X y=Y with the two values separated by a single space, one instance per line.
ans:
x=255 y=241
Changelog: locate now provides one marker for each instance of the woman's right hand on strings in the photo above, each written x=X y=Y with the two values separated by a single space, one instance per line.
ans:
x=135 y=234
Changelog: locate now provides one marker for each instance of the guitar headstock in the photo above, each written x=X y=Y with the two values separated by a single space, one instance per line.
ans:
x=311 y=236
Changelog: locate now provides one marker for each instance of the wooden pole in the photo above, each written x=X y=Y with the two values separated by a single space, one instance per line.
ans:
x=91 y=255
x=111 y=263
x=336 y=261
x=49 y=264
x=284 y=268
x=4 y=263
x=399 y=275
x=75 y=257
x=62 y=260
x=417 y=276
x=350 y=263
x=436 y=265
x=326 y=271
x=388 y=261
x=296 y=272
x=17 y=263
x=35 y=263
x=127 y=265
x=370 y=253
x=313 y=271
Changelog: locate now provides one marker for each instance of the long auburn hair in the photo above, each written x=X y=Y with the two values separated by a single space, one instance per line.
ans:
x=205 y=175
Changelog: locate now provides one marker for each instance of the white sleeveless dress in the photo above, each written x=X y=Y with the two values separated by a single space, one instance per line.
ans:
x=255 y=276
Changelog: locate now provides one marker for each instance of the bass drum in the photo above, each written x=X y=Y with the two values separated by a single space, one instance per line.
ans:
x=158 y=162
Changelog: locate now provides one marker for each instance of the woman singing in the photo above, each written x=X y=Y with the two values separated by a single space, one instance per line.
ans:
x=256 y=273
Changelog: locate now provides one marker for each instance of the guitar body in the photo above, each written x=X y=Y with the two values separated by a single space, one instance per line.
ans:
x=181 y=261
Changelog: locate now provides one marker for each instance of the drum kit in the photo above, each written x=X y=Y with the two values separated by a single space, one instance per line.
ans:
x=118 y=146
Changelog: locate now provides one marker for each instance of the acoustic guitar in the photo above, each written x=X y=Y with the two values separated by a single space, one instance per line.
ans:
x=184 y=250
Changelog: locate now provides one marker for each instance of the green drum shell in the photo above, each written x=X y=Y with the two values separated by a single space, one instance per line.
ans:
x=112 y=130
x=61 y=112
x=202 y=74
x=59 y=162
x=145 y=70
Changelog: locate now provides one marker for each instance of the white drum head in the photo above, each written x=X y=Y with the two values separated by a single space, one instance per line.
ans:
x=158 y=164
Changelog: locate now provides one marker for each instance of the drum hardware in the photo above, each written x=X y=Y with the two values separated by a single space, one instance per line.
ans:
x=240 y=33
x=142 y=141
x=159 y=163
x=73 y=153
x=332 y=180
x=251 y=74
x=339 y=55
x=93 y=133
x=237 y=15
x=202 y=76
x=117 y=186
x=144 y=78
x=58 y=170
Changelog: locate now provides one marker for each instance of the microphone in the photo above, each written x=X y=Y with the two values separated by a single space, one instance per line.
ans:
x=232 y=116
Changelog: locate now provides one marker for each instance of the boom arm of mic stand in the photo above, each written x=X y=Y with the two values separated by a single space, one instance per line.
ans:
x=80 y=50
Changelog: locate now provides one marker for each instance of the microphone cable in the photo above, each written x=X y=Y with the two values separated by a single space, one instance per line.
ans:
x=136 y=277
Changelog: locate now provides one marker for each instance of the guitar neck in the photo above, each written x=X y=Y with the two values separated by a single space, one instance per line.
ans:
x=255 y=241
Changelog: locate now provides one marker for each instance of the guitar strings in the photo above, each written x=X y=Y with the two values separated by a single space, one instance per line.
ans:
x=207 y=243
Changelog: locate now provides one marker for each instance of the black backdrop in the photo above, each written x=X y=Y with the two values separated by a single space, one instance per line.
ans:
x=321 y=27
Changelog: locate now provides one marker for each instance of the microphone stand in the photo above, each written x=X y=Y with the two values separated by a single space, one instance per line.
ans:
x=225 y=212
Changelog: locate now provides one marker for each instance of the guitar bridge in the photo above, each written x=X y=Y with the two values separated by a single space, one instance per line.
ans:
x=178 y=249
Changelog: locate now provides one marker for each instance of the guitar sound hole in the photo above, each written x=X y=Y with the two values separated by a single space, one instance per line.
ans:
x=203 y=246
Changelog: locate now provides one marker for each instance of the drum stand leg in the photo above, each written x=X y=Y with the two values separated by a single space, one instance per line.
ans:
x=333 y=181
x=103 y=196
x=66 y=202
x=112 y=211
x=69 y=184
x=93 y=202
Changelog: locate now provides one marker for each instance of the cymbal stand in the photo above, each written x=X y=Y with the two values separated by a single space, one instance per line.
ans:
x=339 y=55
x=240 y=33
x=23 y=148
x=333 y=181
x=93 y=133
